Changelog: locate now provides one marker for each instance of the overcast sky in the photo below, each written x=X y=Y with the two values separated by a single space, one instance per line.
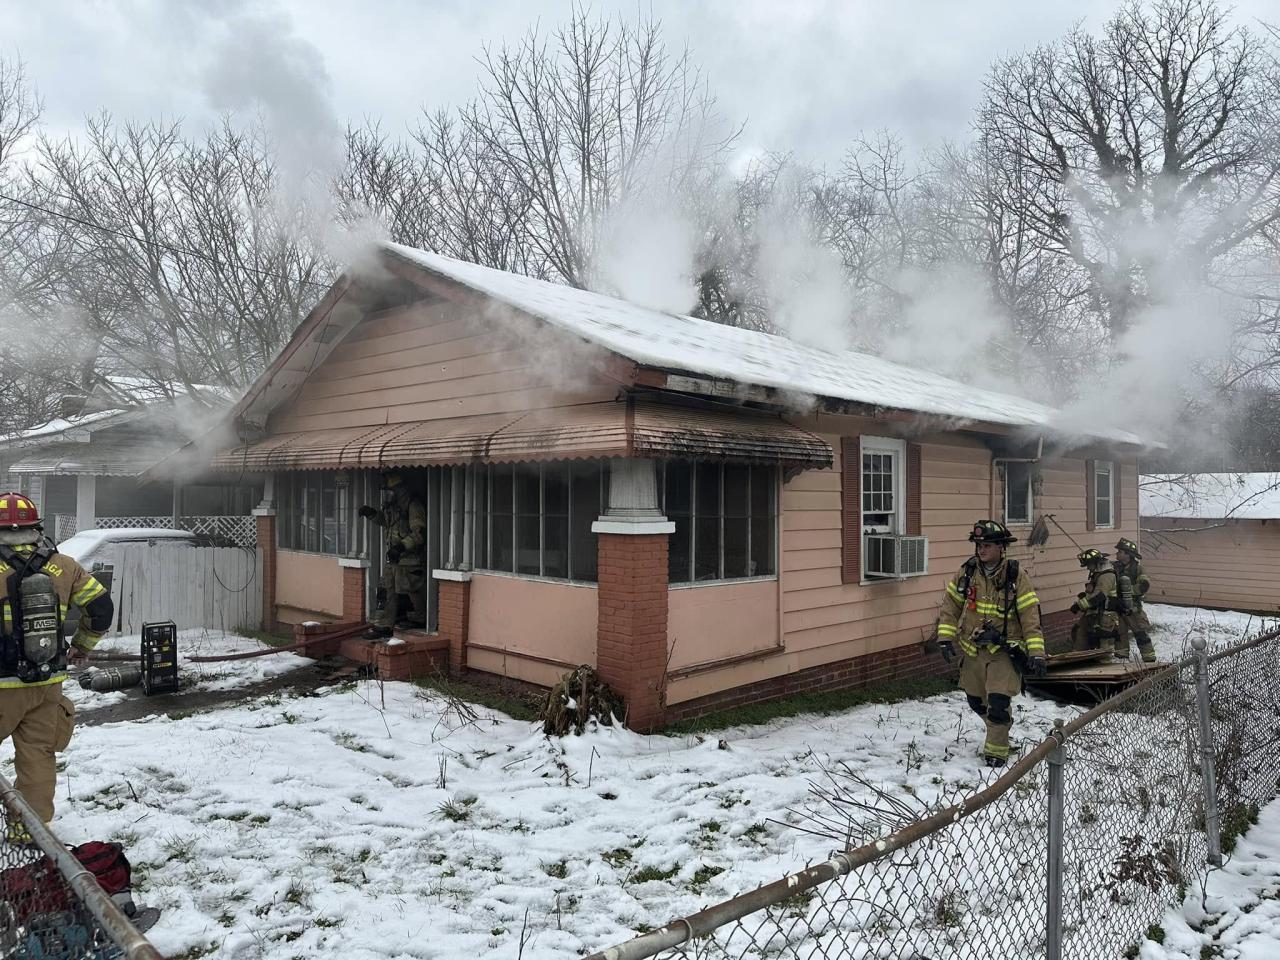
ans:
x=804 y=75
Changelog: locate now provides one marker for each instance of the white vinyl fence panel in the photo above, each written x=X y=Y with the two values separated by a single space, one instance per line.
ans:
x=219 y=588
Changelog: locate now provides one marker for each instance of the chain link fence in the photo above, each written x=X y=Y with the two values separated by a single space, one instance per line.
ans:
x=1075 y=852
x=51 y=907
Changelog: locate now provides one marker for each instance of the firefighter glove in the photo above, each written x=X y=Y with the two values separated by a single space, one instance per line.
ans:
x=1076 y=607
x=395 y=552
x=367 y=512
x=1037 y=667
x=948 y=650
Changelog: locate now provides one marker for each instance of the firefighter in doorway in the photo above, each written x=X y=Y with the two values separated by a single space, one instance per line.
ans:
x=404 y=519
x=37 y=587
x=991 y=612
x=1098 y=624
x=1129 y=567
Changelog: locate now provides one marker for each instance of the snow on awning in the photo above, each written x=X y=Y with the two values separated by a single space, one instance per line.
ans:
x=118 y=457
x=587 y=431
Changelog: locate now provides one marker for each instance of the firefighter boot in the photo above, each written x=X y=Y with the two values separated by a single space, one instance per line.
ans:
x=1145 y=647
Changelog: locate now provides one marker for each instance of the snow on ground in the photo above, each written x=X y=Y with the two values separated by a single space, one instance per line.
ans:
x=194 y=676
x=1237 y=916
x=384 y=821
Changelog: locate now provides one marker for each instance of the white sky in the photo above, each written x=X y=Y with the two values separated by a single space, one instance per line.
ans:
x=805 y=75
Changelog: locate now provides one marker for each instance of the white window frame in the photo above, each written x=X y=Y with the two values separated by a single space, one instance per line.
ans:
x=898 y=449
x=1107 y=467
x=1031 y=494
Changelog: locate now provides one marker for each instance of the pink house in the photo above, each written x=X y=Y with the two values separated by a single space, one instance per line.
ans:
x=708 y=515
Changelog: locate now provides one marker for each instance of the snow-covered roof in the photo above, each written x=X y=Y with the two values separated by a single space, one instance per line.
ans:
x=1211 y=496
x=61 y=425
x=103 y=457
x=749 y=357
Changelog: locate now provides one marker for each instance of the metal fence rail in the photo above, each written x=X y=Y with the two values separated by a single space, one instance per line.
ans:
x=1075 y=852
x=51 y=907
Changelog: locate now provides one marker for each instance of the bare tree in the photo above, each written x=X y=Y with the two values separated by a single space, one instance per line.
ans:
x=1152 y=150
x=182 y=267
x=583 y=119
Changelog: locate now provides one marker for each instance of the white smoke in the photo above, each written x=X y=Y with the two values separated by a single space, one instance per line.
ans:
x=646 y=254
x=802 y=279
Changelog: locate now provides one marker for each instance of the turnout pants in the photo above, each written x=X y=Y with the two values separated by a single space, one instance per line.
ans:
x=403 y=578
x=40 y=720
x=1139 y=626
x=990 y=682
x=1095 y=631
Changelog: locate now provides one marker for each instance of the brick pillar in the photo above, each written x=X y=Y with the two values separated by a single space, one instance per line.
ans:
x=354 y=572
x=266 y=523
x=631 y=638
x=631 y=629
x=454 y=614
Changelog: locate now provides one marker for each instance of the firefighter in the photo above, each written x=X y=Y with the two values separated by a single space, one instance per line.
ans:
x=1098 y=623
x=991 y=612
x=405 y=521
x=38 y=585
x=1128 y=566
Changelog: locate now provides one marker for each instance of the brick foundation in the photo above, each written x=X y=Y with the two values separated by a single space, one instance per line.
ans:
x=353 y=594
x=1057 y=630
x=870 y=670
x=266 y=531
x=631 y=639
x=453 y=621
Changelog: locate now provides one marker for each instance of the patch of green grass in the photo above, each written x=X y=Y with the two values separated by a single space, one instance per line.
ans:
x=645 y=874
x=456 y=810
x=616 y=858
x=820 y=703
x=270 y=639
x=1235 y=823
x=703 y=875
x=194 y=953
x=516 y=705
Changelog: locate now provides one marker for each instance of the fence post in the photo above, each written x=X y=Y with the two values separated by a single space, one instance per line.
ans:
x=1212 y=821
x=1057 y=805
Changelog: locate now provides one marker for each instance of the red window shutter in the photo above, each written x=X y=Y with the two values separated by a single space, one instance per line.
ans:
x=913 y=489
x=850 y=510
x=1115 y=494
x=1090 y=492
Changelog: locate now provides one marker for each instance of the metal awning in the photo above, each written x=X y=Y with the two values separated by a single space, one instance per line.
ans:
x=116 y=457
x=629 y=428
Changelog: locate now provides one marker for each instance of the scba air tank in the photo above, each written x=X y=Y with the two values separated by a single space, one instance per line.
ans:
x=40 y=621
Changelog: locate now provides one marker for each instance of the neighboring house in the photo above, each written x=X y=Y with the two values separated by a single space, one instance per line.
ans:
x=83 y=470
x=1213 y=540
x=709 y=515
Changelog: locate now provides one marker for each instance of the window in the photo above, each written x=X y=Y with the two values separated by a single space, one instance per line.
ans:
x=1103 y=494
x=313 y=512
x=1018 y=497
x=725 y=517
x=882 y=489
x=535 y=519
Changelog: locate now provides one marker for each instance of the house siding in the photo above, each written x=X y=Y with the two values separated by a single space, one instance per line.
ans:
x=309 y=586
x=436 y=362
x=1231 y=565
x=827 y=623
x=530 y=629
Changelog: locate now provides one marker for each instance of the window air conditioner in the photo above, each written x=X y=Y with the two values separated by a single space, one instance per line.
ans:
x=891 y=556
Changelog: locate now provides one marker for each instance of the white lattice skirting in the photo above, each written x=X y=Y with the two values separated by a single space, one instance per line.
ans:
x=242 y=531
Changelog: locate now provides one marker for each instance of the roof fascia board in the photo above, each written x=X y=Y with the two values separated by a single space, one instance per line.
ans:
x=258 y=400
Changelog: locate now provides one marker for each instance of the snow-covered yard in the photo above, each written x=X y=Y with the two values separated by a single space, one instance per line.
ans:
x=376 y=821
